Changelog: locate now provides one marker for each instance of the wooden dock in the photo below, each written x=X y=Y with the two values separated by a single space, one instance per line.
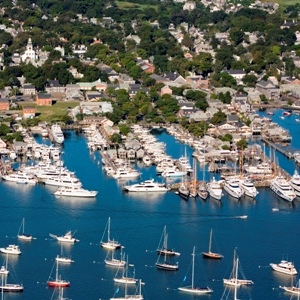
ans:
x=286 y=153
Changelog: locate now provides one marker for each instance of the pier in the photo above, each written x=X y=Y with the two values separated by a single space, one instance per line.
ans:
x=287 y=154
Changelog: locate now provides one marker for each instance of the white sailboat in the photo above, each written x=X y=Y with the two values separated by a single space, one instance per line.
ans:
x=192 y=288
x=164 y=263
x=211 y=254
x=109 y=244
x=110 y=260
x=63 y=259
x=21 y=233
x=10 y=287
x=163 y=245
x=233 y=280
x=294 y=290
x=4 y=270
x=124 y=277
x=136 y=296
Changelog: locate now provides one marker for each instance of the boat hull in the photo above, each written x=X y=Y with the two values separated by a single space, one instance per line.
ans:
x=195 y=290
x=167 y=267
x=58 y=283
x=14 y=288
x=212 y=255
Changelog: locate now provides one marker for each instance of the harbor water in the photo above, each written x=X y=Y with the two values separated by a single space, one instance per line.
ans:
x=137 y=221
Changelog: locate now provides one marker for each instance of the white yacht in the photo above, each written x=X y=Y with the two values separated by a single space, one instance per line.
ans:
x=285 y=267
x=248 y=187
x=214 y=189
x=295 y=183
x=11 y=249
x=147 y=186
x=74 y=191
x=20 y=177
x=173 y=172
x=57 y=134
x=232 y=187
x=68 y=237
x=282 y=188
x=64 y=181
x=124 y=173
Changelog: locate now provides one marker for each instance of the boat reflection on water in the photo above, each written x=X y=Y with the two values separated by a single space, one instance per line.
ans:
x=145 y=197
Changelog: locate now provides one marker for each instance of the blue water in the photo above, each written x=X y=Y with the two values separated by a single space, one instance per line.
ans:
x=137 y=221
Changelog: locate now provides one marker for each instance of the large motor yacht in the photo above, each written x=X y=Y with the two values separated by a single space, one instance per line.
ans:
x=282 y=188
x=232 y=187
x=285 y=267
x=147 y=186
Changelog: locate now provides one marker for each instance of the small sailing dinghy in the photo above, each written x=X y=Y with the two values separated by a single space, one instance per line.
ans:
x=109 y=244
x=67 y=238
x=211 y=254
x=57 y=281
x=233 y=280
x=21 y=233
x=192 y=288
x=163 y=245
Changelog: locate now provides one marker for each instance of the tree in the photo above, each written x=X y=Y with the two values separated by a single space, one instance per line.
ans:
x=218 y=117
x=242 y=144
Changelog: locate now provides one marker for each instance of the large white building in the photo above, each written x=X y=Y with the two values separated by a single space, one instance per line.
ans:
x=29 y=55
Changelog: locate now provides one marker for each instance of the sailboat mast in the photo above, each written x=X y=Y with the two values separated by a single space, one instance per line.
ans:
x=165 y=238
x=23 y=225
x=108 y=230
x=210 y=238
x=193 y=267
x=56 y=272
x=236 y=276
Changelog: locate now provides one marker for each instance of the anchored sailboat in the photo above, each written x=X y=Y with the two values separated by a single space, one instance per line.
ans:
x=112 y=261
x=21 y=233
x=191 y=288
x=3 y=270
x=233 y=280
x=125 y=278
x=62 y=258
x=57 y=281
x=110 y=244
x=163 y=245
x=211 y=254
x=136 y=296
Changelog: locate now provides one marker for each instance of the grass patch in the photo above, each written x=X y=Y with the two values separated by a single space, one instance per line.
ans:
x=128 y=5
x=283 y=2
x=49 y=113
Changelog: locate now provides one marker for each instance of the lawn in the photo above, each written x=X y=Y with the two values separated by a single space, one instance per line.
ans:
x=283 y=2
x=127 y=5
x=48 y=113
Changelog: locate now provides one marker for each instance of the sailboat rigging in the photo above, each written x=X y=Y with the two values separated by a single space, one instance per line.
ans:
x=137 y=296
x=3 y=270
x=57 y=282
x=125 y=278
x=21 y=233
x=211 y=254
x=163 y=245
x=110 y=244
x=192 y=288
x=62 y=258
x=233 y=280
x=114 y=261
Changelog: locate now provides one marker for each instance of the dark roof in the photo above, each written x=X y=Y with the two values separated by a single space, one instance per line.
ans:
x=44 y=95
x=53 y=83
x=172 y=76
